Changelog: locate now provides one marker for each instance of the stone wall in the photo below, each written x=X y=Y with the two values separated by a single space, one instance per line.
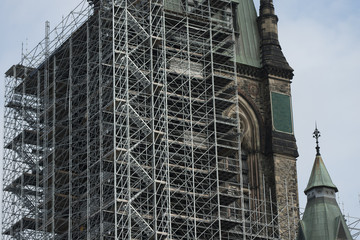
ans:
x=286 y=195
x=277 y=151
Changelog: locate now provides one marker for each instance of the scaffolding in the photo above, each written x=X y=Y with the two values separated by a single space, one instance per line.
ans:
x=115 y=129
x=353 y=224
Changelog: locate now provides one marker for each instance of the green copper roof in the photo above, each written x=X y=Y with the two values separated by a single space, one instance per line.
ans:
x=319 y=176
x=323 y=220
x=247 y=37
x=247 y=40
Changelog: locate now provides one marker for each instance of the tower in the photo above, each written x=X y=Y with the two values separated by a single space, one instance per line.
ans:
x=162 y=119
x=322 y=217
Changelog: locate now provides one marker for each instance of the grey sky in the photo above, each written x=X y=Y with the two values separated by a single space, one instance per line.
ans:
x=321 y=41
x=319 y=38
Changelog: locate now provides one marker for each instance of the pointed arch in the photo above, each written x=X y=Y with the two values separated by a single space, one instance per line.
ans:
x=250 y=124
x=250 y=127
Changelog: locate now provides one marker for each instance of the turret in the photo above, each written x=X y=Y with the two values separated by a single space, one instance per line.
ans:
x=322 y=219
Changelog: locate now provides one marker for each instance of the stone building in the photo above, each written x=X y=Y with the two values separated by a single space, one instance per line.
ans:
x=161 y=119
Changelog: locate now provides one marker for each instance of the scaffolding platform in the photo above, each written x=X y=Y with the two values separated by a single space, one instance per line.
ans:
x=26 y=179
x=30 y=224
x=25 y=137
x=19 y=71
x=24 y=223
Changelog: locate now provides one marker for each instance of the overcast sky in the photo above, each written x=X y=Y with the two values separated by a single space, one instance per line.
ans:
x=320 y=39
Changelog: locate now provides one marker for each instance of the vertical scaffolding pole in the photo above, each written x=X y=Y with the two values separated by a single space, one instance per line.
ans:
x=130 y=137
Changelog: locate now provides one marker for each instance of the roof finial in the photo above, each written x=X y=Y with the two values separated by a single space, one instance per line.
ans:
x=316 y=135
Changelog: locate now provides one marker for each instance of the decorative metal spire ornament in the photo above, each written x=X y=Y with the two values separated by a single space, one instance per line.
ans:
x=316 y=135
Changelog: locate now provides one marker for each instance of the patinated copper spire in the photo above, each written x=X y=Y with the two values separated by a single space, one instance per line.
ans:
x=316 y=135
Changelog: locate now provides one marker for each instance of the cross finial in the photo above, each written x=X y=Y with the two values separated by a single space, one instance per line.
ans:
x=316 y=135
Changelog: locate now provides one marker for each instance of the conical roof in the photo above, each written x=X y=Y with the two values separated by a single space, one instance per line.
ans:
x=319 y=176
x=322 y=219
